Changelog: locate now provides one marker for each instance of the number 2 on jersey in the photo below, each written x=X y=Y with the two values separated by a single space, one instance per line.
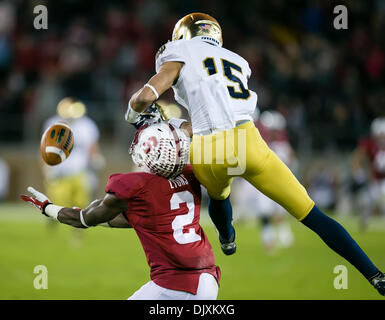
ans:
x=209 y=64
x=184 y=219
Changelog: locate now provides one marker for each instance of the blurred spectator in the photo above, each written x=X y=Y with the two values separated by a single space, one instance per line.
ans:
x=275 y=228
x=322 y=185
x=328 y=83
x=368 y=174
x=4 y=179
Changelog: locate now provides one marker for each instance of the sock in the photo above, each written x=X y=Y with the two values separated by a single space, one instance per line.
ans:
x=221 y=213
x=339 y=240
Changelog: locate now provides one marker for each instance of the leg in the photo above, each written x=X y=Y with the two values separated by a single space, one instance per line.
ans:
x=151 y=291
x=279 y=184
x=284 y=232
x=365 y=204
x=221 y=213
x=58 y=190
x=81 y=190
x=81 y=197
x=264 y=209
x=213 y=176
x=339 y=240
x=219 y=207
x=207 y=288
x=267 y=233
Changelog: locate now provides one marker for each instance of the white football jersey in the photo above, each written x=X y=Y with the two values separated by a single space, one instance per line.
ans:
x=212 y=84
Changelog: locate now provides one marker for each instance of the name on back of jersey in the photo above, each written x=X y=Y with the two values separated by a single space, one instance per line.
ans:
x=179 y=181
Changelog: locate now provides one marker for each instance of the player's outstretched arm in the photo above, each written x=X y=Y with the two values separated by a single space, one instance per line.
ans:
x=167 y=75
x=120 y=221
x=98 y=212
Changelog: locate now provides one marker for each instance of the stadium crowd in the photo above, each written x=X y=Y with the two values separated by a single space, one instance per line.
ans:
x=327 y=83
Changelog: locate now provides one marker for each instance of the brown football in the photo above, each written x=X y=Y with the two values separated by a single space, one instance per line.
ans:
x=56 y=143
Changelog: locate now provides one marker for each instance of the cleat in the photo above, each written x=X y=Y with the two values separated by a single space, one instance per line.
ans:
x=378 y=282
x=228 y=246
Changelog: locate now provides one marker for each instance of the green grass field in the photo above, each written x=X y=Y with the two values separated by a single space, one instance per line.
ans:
x=102 y=263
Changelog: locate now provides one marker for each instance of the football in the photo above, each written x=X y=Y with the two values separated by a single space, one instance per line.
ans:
x=56 y=143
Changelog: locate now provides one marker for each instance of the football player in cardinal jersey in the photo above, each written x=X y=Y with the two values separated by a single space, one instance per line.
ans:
x=211 y=83
x=162 y=204
x=368 y=171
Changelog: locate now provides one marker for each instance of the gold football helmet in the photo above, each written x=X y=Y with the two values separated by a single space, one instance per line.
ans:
x=197 y=24
x=71 y=108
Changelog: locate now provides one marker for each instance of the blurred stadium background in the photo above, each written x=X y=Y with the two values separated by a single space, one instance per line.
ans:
x=328 y=84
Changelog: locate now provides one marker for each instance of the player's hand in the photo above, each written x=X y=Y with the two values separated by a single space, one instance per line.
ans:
x=38 y=199
x=152 y=115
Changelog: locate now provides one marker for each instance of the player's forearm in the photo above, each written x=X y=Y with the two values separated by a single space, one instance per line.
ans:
x=156 y=86
x=142 y=99
x=98 y=212
x=75 y=217
x=70 y=217
x=95 y=214
x=151 y=91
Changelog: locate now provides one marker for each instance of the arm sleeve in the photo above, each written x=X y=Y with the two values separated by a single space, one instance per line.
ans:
x=171 y=51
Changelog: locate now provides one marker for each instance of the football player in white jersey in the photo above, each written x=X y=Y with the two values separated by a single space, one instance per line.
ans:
x=211 y=83
x=72 y=182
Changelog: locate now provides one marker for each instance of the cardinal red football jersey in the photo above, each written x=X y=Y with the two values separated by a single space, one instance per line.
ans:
x=165 y=215
x=376 y=155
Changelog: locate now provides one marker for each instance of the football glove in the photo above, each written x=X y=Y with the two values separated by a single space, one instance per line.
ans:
x=153 y=114
x=38 y=200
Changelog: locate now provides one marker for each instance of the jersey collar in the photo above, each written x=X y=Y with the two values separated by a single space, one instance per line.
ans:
x=208 y=40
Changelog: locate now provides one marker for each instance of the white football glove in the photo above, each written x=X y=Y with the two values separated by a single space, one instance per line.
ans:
x=41 y=201
x=38 y=199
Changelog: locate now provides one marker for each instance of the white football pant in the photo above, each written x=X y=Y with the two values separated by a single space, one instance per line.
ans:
x=207 y=290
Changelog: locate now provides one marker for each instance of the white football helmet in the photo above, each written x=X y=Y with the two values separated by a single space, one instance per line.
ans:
x=377 y=127
x=161 y=148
